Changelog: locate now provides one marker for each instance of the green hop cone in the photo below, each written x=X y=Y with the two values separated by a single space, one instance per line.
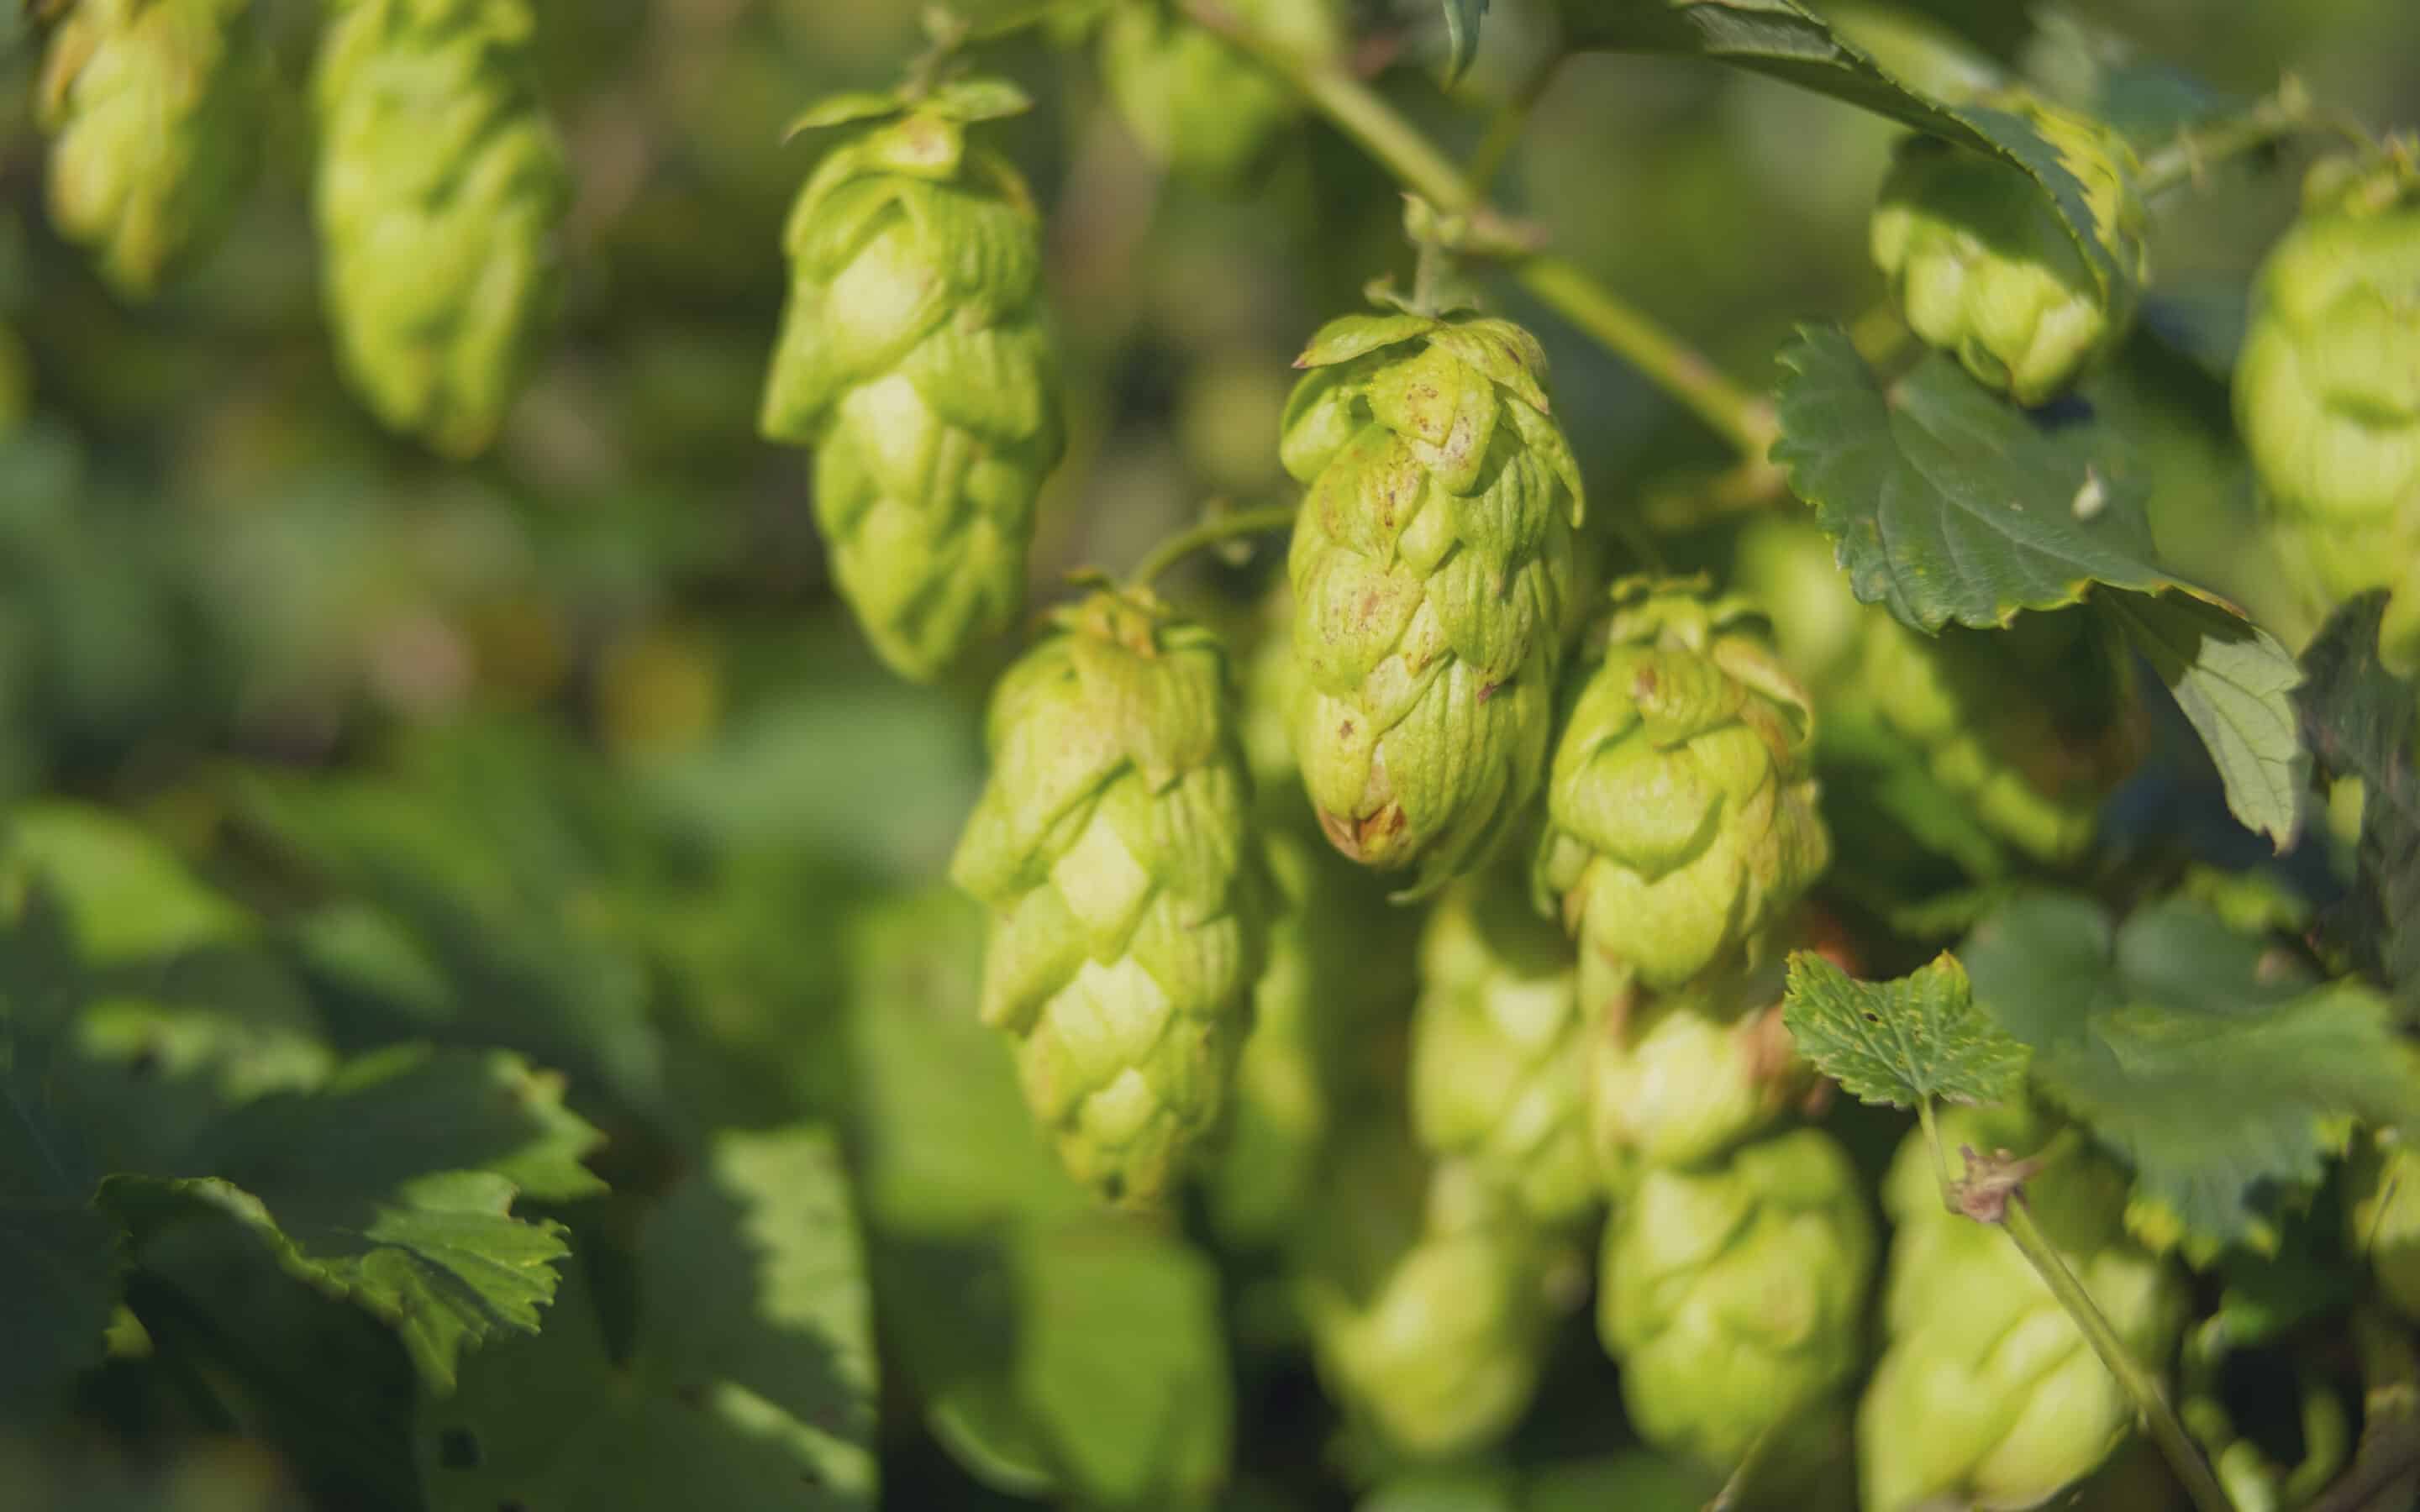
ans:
x=914 y=358
x=1499 y=1050
x=2382 y=1217
x=1981 y=264
x=1112 y=846
x=1680 y=810
x=1678 y=1079
x=1197 y=103
x=2327 y=394
x=1430 y=568
x=1430 y=1298
x=1734 y=1297
x=1327 y=1007
x=440 y=187
x=1988 y=1395
x=156 y=109
x=2030 y=725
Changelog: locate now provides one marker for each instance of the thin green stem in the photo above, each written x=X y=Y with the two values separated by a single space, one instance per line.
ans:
x=1940 y=1157
x=2017 y=1222
x=1504 y=130
x=2286 y=113
x=1210 y=533
x=1360 y=113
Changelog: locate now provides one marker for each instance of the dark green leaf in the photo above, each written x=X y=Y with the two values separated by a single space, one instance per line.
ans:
x=1462 y=17
x=2214 y=1064
x=751 y=1382
x=2361 y=721
x=1947 y=501
x=2233 y=681
x=1903 y=1041
x=128 y=896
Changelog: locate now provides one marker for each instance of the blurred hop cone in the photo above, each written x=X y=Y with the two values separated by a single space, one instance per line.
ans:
x=1112 y=846
x=441 y=188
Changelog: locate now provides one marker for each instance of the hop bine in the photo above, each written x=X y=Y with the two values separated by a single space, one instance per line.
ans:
x=1113 y=848
x=1680 y=810
x=1499 y=1050
x=1734 y=1296
x=1982 y=264
x=1988 y=1395
x=1431 y=568
x=2328 y=396
x=440 y=187
x=913 y=357
x=155 y=109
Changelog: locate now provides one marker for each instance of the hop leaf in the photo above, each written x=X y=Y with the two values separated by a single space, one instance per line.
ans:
x=439 y=243
x=1904 y=1042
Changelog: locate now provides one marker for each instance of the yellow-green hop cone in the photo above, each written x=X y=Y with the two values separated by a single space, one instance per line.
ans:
x=1981 y=265
x=1430 y=1298
x=2382 y=1217
x=1499 y=1050
x=913 y=357
x=1328 y=1006
x=2327 y=394
x=1197 y=103
x=440 y=187
x=1678 y=1079
x=2029 y=724
x=1988 y=1395
x=1431 y=569
x=1734 y=1297
x=1112 y=846
x=155 y=109
x=1681 y=810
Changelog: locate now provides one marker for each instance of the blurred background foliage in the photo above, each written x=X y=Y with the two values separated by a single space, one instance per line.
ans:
x=572 y=749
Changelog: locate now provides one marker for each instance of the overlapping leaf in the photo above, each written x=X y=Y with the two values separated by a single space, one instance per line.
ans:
x=2216 y=1064
x=1900 y=1042
x=2360 y=722
x=2234 y=683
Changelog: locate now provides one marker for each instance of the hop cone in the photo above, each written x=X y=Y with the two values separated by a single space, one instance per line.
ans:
x=1325 y=1010
x=1981 y=264
x=1196 y=101
x=2027 y=724
x=156 y=109
x=441 y=184
x=1679 y=1078
x=1988 y=1395
x=1734 y=1298
x=1430 y=568
x=913 y=357
x=2327 y=393
x=1499 y=1051
x=1430 y=1298
x=1680 y=810
x=1112 y=847
x=2382 y=1218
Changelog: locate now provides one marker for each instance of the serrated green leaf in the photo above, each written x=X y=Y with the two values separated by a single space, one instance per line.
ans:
x=1899 y=1043
x=1462 y=17
x=1947 y=501
x=1784 y=40
x=2360 y=721
x=750 y=1382
x=58 y=1269
x=437 y=1257
x=2232 y=680
x=2214 y=1064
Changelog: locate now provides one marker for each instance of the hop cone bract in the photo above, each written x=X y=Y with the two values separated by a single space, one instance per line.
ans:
x=1112 y=846
x=1430 y=570
x=1680 y=810
x=1982 y=265
x=155 y=107
x=1499 y=1050
x=1430 y=1298
x=1988 y=1395
x=440 y=187
x=1678 y=1079
x=1734 y=1297
x=2327 y=394
x=1195 y=101
x=913 y=357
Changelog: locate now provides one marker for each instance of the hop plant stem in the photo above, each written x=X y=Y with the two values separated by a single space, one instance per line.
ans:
x=1210 y=533
x=1738 y=416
